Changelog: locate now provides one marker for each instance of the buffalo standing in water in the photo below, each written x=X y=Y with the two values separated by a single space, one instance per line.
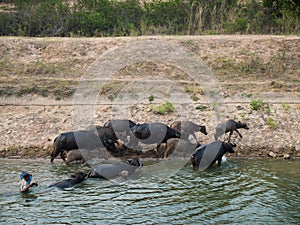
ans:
x=208 y=154
x=78 y=139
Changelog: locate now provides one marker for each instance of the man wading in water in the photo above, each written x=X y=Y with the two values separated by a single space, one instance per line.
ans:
x=26 y=181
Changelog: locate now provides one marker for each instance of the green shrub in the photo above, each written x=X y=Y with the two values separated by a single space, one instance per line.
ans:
x=133 y=17
x=256 y=104
x=240 y=25
x=271 y=123
x=286 y=107
x=57 y=97
x=151 y=98
x=268 y=109
x=201 y=107
x=187 y=89
x=164 y=108
x=194 y=97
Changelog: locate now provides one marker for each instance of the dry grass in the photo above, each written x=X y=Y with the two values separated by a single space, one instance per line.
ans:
x=53 y=66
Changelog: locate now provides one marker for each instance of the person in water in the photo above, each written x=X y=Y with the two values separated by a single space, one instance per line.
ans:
x=26 y=181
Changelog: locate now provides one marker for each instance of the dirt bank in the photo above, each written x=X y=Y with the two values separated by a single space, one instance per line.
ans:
x=258 y=79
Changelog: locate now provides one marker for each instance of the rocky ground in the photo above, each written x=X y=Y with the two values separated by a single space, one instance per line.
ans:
x=257 y=77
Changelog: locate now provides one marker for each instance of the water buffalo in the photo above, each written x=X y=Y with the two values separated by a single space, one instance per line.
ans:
x=208 y=154
x=151 y=133
x=73 y=155
x=119 y=125
x=188 y=128
x=229 y=126
x=78 y=178
x=179 y=147
x=110 y=171
x=73 y=140
x=107 y=137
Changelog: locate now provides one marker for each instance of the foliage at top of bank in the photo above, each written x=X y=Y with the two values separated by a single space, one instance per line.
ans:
x=100 y=18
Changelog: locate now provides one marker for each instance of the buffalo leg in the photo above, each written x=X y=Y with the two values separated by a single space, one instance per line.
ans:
x=239 y=133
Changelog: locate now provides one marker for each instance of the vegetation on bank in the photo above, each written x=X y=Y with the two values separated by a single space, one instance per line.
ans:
x=97 y=18
x=245 y=66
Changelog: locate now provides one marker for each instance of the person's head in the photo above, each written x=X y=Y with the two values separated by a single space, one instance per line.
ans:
x=26 y=176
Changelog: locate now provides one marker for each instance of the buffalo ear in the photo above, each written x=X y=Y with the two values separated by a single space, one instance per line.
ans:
x=233 y=144
x=73 y=176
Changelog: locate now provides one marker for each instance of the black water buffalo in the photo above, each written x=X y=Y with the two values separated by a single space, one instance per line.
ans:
x=104 y=133
x=73 y=140
x=188 y=128
x=229 y=126
x=107 y=137
x=120 y=126
x=151 y=133
x=208 y=154
x=110 y=171
x=78 y=178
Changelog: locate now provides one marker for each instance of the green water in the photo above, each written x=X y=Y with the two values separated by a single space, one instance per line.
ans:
x=238 y=192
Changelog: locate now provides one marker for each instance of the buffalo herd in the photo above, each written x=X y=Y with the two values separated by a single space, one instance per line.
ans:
x=126 y=139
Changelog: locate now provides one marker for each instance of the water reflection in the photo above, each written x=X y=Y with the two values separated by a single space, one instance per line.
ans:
x=240 y=191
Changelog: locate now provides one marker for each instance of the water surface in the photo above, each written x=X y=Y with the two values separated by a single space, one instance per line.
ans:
x=241 y=191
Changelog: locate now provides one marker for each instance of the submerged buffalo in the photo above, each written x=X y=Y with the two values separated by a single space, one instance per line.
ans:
x=151 y=133
x=110 y=171
x=67 y=183
x=208 y=154
x=74 y=140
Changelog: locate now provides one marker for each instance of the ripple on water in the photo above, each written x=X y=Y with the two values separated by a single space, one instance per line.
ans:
x=239 y=191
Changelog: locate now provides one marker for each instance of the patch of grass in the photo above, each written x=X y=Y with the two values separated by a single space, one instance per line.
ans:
x=194 y=97
x=32 y=89
x=201 y=107
x=112 y=89
x=57 y=97
x=151 y=98
x=268 y=109
x=243 y=117
x=198 y=90
x=193 y=90
x=11 y=151
x=286 y=107
x=112 y=97
x=187 y=89
x=5 y=92
x=247 y=95
x=164 y=108
x=256 y=104
x=271 y=123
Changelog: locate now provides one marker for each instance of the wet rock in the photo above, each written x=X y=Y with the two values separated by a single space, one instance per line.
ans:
x=286 y=156
x=272 y=154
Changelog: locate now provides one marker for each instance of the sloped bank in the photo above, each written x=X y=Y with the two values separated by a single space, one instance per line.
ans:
x=38 y=78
